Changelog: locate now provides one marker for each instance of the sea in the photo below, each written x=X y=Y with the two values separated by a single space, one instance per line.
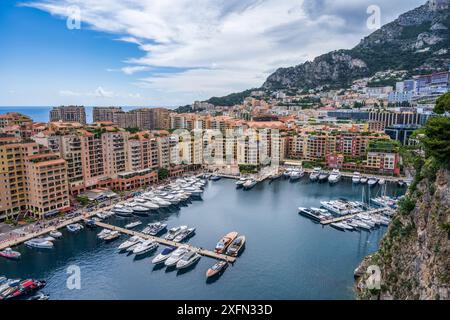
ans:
x=287 y=256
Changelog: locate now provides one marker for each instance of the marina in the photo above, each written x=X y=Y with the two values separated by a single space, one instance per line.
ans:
x=262 y=212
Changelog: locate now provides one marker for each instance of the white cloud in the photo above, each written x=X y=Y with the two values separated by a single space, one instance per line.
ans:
x=102 y=93
x=224 y=45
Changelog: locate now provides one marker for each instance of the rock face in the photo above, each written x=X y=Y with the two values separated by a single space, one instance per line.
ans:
x=408 y=43
x=414 y=256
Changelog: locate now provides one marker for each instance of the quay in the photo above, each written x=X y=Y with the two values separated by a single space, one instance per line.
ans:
x=350 y=216
x=201 y=251
x=350 y=175
x=45 y=231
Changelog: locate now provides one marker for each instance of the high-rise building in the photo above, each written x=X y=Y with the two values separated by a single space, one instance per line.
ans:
x=105 y=114
x=33 y=180
x=68 y=114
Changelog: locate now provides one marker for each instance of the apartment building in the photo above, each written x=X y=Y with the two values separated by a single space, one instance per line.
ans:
x=143 y=152
x=93 y=162
x=32 y=180
x=68 y=114
x=47 y=183
x=115 y=152
x=105 y=114
x=144 y=119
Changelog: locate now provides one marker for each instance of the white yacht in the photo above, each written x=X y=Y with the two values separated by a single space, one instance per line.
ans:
x=122 y=210
x=164 y=255
x=144 y=247
x=39 y=244
x=174 y=232
x=314 y=176
x=240 y=182
x=74 y=227
x=161 y=202
x=249 y=184
x=176 y=256
x=188 y=259
x=335 y=176
x=133 y=225
x=55 y=234
x=147 y=204
x=356 y=177
x=363 y=180
x=130 y=242
x=372 y=181
x=381 y=181
x=103 y=234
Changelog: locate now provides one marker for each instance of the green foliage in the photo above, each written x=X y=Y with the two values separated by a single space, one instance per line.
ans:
x=437 y=139
x=446 y=227
x=409 y=32
x=231 y=99
x=248 y=169
x=184 y=109
x=163 y=174
x=83 y=200
x=132 y=130
x=406 y=205
x=384 y=145
x=443 y=104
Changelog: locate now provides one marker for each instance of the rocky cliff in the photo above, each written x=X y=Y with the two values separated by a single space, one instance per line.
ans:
x=414 y=256
x=417 y=40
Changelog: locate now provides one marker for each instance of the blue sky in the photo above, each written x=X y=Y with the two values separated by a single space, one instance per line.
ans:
x=166 y=52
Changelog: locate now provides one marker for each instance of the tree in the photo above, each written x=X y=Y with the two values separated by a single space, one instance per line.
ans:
x=163 y=173
x=443 y=104
x=437 y=139
x=83 y=200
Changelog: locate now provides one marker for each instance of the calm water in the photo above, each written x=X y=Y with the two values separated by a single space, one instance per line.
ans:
x=287 y=256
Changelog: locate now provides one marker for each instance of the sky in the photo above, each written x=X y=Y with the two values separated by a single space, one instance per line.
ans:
x=166 y=52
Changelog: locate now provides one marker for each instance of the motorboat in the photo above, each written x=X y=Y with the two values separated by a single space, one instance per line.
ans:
x=236 y=246
x=39 y=244
x=176 y=256
x=123 y=211
x=223 y=244
x=217 y=269
x=240 y=182
x=372 y=181
x=90 y=223
x=363 y=180
x=310 y=213
x=145 y=247
x=8 y=283
x=314 y=176
x=275 y=176
x=154 y=229
x=133 y=225
x=55 y=234
x=25 y=287
x=381 y=181
x=9 y=253
x=74 y=227
x=295 y=175
x=175 y=232
x=361 y=224
x=164 y=255
x=40 y=297
x=341 y=226
x=103 y=234
x=215 y=177
x=323 y=176
x=335 y=207
x=356 y=177
x=188 y=259
x=138 y=209
x=249 y=184
x=161 y=202
x=287 y=173
x=186 y=234
x=130 y=242
x=146 y=204
x=113 y=235
x=335 y=176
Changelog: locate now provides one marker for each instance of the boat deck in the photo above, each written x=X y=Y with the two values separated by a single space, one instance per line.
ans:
x=201 y=251
x=350 y=216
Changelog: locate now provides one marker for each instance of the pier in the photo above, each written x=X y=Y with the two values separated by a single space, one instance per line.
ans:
x=201 y=251
x=350 y=216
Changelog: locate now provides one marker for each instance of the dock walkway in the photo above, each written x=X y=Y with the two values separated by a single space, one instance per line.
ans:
x=350 y=216
x=203 y=252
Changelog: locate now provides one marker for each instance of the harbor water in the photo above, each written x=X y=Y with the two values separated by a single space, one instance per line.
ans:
x=287 y=256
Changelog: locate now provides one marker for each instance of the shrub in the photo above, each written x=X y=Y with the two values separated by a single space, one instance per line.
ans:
x=406 y=205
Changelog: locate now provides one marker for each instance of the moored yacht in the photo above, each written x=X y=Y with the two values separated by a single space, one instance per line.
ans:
x=164 y=255
x=188 y=259
x=314 y=176
x=184 y=235
x=236 y=246
x=240 y=182
x=122 y=210
x=335 y=176
x=323 y=176
x=223 y=244
x=372 y=181
x=145 y=247
x=175 y=232
x=176 y=256
x=363 y=180
x=55 y=234
x=9 y=253
x=39 y=244
x=356 y=177
x=133 y=225
x=130 y=242
x=155 y=229
x=218 y=268
x=74 y=227
x=249 y=184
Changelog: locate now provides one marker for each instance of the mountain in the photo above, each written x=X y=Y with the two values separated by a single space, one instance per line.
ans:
x=416 y=41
